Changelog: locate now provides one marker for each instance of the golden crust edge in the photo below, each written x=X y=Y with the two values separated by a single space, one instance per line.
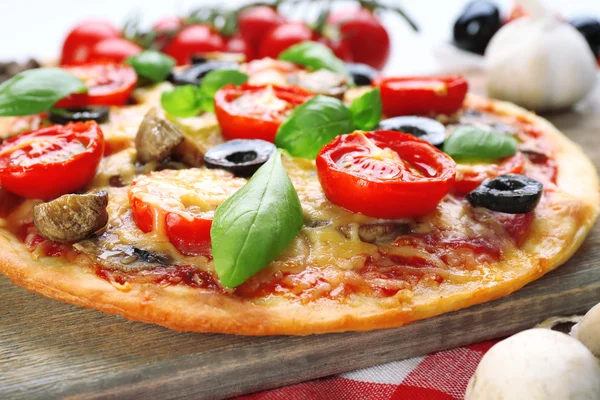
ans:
x=215 y=312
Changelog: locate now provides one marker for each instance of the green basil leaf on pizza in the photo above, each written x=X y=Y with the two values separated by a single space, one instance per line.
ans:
x=313 y=55
x=189 y=100
x=182 y=102
x=214 y=81
x=253 y=226
x=366 y=110
x=36 y=90
x=472 y=143
x=152 y=64
x=312 y=125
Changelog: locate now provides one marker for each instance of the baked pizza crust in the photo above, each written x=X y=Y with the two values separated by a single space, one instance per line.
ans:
x=552 y=239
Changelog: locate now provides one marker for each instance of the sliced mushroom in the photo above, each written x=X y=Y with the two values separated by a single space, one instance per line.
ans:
x=156 y=138
x=316 y=223
x=72 y=217
x=378 y=233
x=106 y=251
x=10 y=69
x=321 y=82
x=189 y=152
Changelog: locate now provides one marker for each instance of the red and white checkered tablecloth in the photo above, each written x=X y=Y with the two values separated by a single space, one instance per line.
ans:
x=438 y=376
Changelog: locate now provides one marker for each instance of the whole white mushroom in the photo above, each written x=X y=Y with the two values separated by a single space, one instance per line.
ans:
x=539 y=62
x=587 y=331
x=537 y=364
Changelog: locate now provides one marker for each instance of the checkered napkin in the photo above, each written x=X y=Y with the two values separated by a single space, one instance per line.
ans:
x=438 y=376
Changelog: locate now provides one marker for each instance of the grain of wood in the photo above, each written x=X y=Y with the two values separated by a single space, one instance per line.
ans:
x=50 y=349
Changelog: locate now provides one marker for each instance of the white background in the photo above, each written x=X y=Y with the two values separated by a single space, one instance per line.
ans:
x=37 y=27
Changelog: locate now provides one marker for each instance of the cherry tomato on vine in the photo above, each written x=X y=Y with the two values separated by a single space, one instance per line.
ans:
x=194 y=39
x=167 y=24
x=108 y=85
x=384 y=174
x=255 y=22
x=256 y=111
x=366 y=37
x=340 y=48
x=52 y=161
x=283 y=36
x=164 y=28
x=114 y=50
x=237 y=44
x=80 y=40
x=422 y=95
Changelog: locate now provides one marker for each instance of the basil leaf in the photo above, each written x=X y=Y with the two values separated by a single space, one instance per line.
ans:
x=471 y=143
x=312 y=125
x=314 y=55
x=215 y=80
x=252 y=227
x=183 y=101
x=366 y=110
x=152 y=64
x=36 y=90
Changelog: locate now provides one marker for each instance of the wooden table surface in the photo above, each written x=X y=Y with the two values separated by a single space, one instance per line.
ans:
x=50 y=349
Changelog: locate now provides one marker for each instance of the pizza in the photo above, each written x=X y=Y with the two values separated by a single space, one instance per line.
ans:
x=260 y=208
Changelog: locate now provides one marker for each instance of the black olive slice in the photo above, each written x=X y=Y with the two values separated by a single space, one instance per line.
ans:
x=65 y=115
x=198 y=59
x=242 y=157
x=362 y=74
x=194 y=74
x=511 y=194
x=426 y=129
x=474 y=28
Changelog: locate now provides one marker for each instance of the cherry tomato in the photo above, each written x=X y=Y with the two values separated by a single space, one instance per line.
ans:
x=164 y=28
x=384 y=174
x=422 y=95
x=255 y=112
x=340 y=48
x=367 y=39
x=181 y=204
x=108 y=85
x=237 y=44
x=283 y=36
x=468 y=177
x=52 y=161
x=79 y=42
x=167 y=24
x=255 y=22
x=194 y=39
x=114 y=50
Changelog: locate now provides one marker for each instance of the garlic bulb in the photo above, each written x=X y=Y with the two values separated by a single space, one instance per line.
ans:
x=587 y=331
x=539 y=62
x=537 y=364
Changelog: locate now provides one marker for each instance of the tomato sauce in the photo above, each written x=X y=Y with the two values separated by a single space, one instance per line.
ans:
x=516 y=225
x=187 y=275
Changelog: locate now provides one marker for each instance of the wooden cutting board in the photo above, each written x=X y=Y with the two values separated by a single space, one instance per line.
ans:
x=50 y=349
